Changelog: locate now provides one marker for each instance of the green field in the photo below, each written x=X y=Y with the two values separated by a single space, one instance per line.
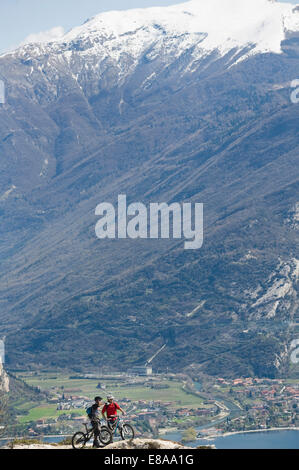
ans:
x=46 y=411
x=174 y=393
x=56 y=384
x=48 y=382
x=87 y=387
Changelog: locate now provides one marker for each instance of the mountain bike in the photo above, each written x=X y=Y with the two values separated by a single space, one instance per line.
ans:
x=80 y=439
x=126 y=430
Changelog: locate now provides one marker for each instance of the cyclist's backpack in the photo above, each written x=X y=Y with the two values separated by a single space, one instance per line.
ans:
x=89 y=411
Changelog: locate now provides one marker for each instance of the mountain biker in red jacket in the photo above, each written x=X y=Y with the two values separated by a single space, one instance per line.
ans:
x=110 y=409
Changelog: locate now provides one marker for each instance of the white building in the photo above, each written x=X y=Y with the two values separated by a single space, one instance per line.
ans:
x=141 y=370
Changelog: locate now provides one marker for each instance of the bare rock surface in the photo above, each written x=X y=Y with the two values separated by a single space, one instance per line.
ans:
x=146 y=444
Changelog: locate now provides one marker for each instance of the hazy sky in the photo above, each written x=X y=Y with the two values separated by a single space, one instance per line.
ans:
x=22 y=18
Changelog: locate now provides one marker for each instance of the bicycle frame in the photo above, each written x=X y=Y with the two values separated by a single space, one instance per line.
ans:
x=118 y=425
x=89 y=432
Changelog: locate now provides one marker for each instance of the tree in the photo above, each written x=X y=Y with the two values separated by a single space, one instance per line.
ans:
x=189 y=435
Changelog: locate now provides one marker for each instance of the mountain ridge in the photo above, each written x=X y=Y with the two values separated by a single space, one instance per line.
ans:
x=262 y=23
x=73 y=135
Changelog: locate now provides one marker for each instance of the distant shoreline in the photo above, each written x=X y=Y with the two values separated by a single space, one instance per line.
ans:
x=164 y=431
x=45 y=436
x=247 y=432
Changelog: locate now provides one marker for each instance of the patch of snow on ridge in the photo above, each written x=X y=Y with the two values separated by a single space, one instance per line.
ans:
x=291 y=20
x=225 y=23
x=200 y=26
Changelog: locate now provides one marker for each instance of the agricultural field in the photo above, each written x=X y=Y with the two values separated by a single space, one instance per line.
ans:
x=61 y=383
x=174 y=394
x=121 y=387
x=45 y=412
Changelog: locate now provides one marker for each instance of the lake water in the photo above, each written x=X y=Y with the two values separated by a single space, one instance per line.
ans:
x=287 y=439
x=46 y=439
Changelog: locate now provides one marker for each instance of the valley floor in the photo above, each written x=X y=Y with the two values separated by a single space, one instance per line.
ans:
x=156 y=405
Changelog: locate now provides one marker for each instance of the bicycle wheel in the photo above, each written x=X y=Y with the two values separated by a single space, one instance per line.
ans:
x=127 y=432
x=79 y=440
x=105 y=435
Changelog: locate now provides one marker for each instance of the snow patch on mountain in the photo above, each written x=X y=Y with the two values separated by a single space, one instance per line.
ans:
x=198 y=26
x=225 y=24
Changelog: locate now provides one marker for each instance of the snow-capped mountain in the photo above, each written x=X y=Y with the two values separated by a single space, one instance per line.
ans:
x=184 y=103
x=123 y=38
x=217 y=24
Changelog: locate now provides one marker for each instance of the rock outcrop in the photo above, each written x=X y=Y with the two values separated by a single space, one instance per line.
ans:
x=139 y=443
x=146 y=444
x=4 y=379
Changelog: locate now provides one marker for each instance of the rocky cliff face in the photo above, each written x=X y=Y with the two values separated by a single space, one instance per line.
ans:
x=156 y=105
x=4 y=380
